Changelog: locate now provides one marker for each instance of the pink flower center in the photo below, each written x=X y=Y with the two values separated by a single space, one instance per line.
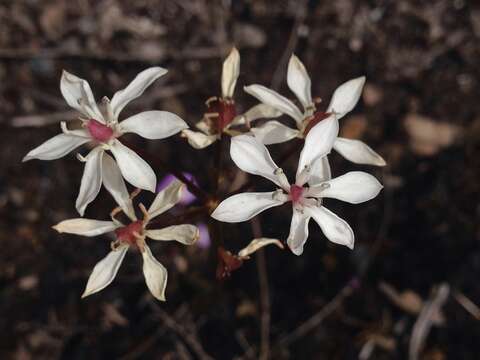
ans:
x=296 y=193
x=226 y=112
x=99 y=131
x=127 y=233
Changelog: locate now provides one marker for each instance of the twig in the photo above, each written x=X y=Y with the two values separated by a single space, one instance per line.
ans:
x=382 y=231
x=278 y=74
x=467 y=304
x=317 y=318
x=57 y=53
x=185 y=335
x=264 y=294
x=42 y=120
x=37 y=120
x=247 y=348
x=425 y=320
x=139 y=350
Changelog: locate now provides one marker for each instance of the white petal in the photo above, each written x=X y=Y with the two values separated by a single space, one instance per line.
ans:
x=346 y=96
x=197 y=139
x=134 y=169
x=91 y=180
x=298 y=232
x=257 y=244
x=244 y=206
x=153 y=124
x=274 y=99
x=186 y=234
x=259 y=111
x=335 y=229
x=78 y=95
x=166 y=198
x=320 y=171
x=253 y=157
x=105 y=271
x=299 y=82
x=318 y=142
x=56 y=147
x=155 y=274
x=358 y=152
x=262 y=111
x=230 y=72
x=135 y=88
x=273 y=132
x=85 y=227
x=354 y=187
x=113 y=182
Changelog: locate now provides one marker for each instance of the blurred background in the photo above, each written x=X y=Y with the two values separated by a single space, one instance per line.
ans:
x=407 y=290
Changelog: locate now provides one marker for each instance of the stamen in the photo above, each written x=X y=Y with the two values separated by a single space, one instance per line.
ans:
x=63 y=126
x=279 y=195
x=282 y=179
x=146 y=215
x=211 y=99
x=109 y=109
x=304 y=176
x=114 y=245
x=81 y=158
x=134 y=193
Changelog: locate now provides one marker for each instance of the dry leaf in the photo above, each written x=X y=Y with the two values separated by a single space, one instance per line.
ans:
x=409 y=301
x=246 y=308
x=427 y=137
x=112 y=317
x=52 y=20
x=28 y=282
x=227 y=263
x=372 y=94
x=353 y=127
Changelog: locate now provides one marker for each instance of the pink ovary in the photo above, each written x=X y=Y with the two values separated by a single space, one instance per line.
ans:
x=128 y=234
x=99 y=131
x=296 y=193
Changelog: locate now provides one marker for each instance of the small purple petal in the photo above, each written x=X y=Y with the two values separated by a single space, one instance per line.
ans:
x=187 y=197
x=204 y=241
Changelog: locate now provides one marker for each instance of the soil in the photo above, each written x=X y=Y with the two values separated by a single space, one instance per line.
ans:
x=419 y=110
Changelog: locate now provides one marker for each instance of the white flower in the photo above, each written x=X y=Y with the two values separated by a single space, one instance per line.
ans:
x=222 y=115
x=133 y=235
x=343 y=101
x=253 y=157
x=104 y=129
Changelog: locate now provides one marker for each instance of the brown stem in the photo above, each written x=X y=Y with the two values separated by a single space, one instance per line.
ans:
x=264 y=294
x=316 y=319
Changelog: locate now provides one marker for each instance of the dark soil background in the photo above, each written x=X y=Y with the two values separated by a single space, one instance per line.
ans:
x=420 y=109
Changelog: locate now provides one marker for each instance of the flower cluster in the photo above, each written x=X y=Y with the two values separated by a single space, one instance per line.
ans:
x=100 y=126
